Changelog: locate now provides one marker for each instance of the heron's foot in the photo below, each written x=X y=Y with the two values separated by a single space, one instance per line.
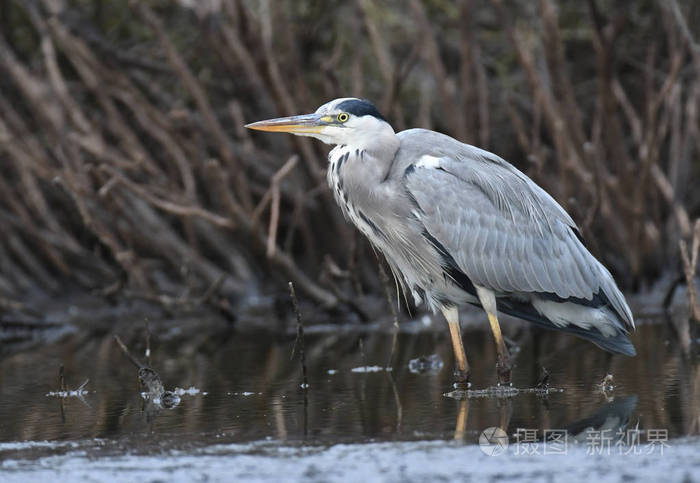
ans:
x=503 y=369
x=461 y=379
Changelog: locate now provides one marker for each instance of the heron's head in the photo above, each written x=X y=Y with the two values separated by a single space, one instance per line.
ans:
x=350 y=121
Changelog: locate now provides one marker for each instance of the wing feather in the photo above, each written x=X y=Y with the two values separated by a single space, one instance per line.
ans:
x=503 y=230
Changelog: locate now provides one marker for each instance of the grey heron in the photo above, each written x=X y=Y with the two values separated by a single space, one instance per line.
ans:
x=460 y=225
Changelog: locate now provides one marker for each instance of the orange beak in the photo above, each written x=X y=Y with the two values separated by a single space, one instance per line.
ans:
x=304 y=124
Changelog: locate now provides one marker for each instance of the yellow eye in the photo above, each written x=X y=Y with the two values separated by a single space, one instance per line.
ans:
x=343 y=117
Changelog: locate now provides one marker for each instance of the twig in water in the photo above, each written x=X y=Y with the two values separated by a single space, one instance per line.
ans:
x=64 y=392
x=126 y=352
x=61 y=378
x=148 y=344
x=62 y=388
x=606 y=386
x=543 y=383
x=149 y=379
x=299 y=342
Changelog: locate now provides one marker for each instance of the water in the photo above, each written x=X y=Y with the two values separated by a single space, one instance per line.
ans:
x=242 y=387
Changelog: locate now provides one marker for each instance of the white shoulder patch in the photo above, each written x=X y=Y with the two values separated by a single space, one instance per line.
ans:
x=427 y=161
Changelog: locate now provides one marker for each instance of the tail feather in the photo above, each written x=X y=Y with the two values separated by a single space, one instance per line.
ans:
x=618 y=343
x=615 y=298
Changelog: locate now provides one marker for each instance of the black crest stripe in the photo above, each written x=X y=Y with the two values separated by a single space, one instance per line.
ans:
x=360 y=107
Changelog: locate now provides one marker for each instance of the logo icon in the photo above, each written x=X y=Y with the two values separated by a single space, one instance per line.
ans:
x=493 y=441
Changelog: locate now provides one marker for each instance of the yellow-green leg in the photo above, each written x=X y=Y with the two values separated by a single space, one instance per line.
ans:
x=488 y=302
x=462 y=371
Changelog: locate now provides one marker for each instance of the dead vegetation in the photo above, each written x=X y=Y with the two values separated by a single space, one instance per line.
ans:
x=690 y=263
x=125 y=170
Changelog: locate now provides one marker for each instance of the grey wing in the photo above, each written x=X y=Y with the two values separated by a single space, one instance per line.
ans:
x=504 y=232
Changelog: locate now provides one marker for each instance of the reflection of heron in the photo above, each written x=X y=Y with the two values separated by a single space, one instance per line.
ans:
x=462 y=413
x=458 y=224
x=612 y=418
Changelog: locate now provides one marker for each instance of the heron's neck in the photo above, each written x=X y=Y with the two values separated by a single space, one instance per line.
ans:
x=357 y=171
x=367 y=159
x=380 y=143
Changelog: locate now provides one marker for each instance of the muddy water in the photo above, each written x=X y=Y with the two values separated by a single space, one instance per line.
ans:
x=244 y=386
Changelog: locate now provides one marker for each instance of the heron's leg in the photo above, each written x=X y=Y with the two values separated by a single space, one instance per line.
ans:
x=488 y=302
x=462 y=372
